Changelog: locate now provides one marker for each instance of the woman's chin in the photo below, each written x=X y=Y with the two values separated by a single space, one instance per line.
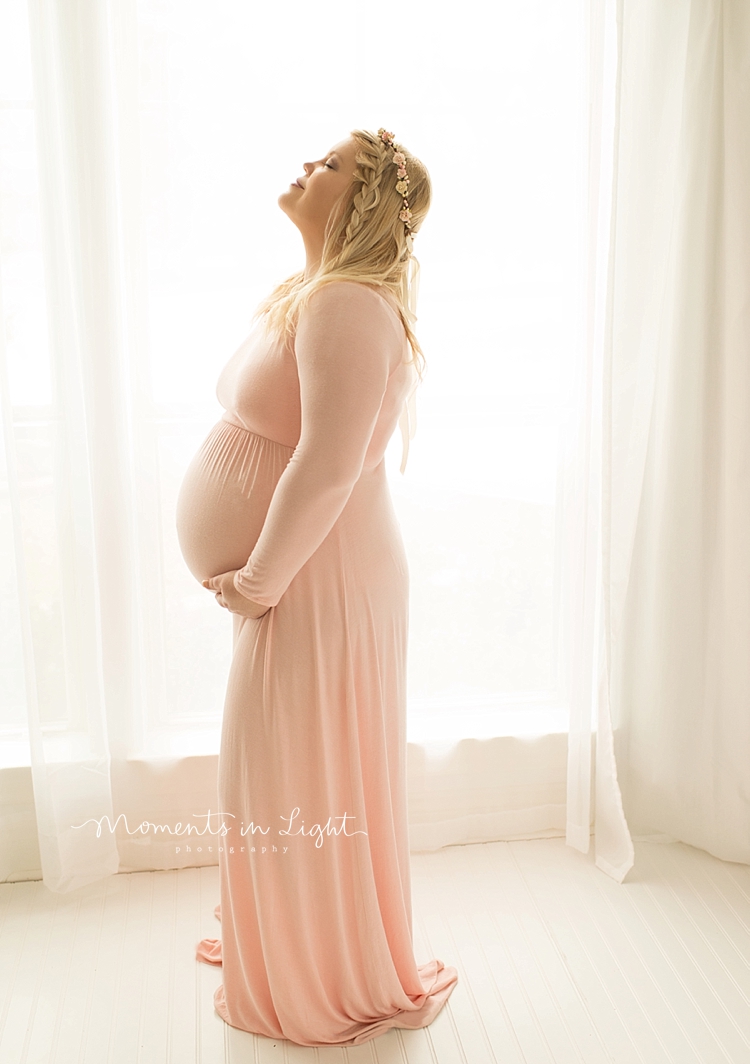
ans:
x=286 y=201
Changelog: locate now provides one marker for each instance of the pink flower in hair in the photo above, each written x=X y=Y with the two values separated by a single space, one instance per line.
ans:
x=402 y=184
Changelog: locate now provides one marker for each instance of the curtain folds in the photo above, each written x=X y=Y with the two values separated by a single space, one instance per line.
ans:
x=680 y=431
x=75 y=736
x=593 y=791
x=674 y=680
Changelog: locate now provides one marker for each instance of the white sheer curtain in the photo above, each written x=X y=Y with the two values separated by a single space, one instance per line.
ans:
x=70 y=461
x=156 y=137
x=593 y=792
x=680 y=430
x=674 y=675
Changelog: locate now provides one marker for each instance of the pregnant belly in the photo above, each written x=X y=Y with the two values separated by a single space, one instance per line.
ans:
x=225 y=496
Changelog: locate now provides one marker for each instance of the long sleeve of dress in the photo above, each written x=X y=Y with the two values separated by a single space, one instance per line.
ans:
x=347 y=344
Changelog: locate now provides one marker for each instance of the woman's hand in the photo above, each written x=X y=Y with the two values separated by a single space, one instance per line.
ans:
x=228 y=596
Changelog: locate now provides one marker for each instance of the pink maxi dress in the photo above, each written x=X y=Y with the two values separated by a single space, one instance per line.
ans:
x=290 y=489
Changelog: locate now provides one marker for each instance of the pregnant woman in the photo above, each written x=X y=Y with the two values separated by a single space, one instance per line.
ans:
x=286 y=516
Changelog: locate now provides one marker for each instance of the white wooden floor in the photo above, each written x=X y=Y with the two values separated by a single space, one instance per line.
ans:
x=557 y=964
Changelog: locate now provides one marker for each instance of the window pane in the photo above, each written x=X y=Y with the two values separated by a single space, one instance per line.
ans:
x=492 y=98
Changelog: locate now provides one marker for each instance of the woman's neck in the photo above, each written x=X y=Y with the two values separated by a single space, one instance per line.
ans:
x=313 y=254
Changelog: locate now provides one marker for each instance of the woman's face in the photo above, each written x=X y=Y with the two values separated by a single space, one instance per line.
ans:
x=310 y=199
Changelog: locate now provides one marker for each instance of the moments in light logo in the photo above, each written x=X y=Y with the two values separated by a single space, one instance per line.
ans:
x=291 y=825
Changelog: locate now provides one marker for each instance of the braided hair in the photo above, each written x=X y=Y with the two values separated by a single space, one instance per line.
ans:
x=365 y=240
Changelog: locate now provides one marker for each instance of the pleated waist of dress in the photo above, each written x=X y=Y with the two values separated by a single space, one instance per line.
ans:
x=233 y=453
x=229 y=419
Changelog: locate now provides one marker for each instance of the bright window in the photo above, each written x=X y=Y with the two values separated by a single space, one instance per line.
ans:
x=229 y=100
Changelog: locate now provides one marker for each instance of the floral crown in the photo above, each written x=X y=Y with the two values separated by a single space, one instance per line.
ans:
x=402 y=184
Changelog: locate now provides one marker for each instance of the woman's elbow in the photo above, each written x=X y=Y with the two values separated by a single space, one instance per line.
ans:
x=343 y=475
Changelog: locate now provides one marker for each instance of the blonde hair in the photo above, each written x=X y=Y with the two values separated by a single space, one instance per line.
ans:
x=364 y=241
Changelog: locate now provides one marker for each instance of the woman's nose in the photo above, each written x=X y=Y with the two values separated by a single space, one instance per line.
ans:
x=308 y=168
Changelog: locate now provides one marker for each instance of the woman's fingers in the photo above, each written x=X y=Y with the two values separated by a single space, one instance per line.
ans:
x=216 y=584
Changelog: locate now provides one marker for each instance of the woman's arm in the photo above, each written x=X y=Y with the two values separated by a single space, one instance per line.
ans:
x=347 y=344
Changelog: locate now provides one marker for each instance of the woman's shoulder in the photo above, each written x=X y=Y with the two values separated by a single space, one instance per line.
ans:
x=344 y=312
x=354 y=296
